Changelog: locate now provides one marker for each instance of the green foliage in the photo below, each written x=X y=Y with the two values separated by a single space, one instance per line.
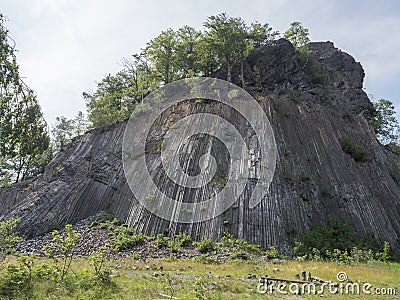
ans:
x=241 y=248
x=106 y=221
x=188 y=52
x=23 y=130
x=294 y=94
x=240 y=254
x=112 y=101
x=8 y=236
x=207 y=259
x=271 y=252
x=162 y=241
x=359 y=153
x=384 y=255
x=65 y=130
x=297 y=35
x=98 y=260
x=183 y=239
x=395 y=148
x=25 y=279
x=16 y=281
x=296 y=175
x=335 y=235
x=282 y=104
x=206 y=245
x=174 y=55
x=64 y=246
x=259 y=34
x=337 y=242
x=162 y=53
x=125 y=239
x=227 y=36
x=385 y=123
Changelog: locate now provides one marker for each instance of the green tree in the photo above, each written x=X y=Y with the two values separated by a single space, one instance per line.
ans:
x=67 y=129
x=228 y=36
x=261 y=34
x=297 y=35
x=139 y=73
x=385 y=123
x=208 y=56
x=65 y=246
x=112 y=101
x=62 y=132
x=187 y=51
x=23 y=130
x=161 y=52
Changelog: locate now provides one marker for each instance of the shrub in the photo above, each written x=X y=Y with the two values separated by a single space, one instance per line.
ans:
x=17 y=279
x=106 y=221
x=183 y=239
x=339 y=256
x=384 y=255
x=272 y=252
x=206 y=245
x=337 y=242
x=98 y=260
x=243 y=255
x=206 y=259
x=65 y=246
x=336 y=234
x=8 y=238
x=357 y=152
x=161 y=241
x=125 y=239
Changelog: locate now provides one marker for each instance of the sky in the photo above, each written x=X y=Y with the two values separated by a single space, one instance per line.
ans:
x=65 y=47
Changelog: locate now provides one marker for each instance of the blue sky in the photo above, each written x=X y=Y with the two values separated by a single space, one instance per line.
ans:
x=64 y=47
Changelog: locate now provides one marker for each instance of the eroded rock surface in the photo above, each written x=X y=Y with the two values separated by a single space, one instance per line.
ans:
x=310 y=102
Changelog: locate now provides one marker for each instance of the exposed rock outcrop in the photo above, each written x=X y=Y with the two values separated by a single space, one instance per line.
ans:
x=309 y=100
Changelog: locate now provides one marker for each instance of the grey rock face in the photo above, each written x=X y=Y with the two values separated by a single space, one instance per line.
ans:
x=310 y=102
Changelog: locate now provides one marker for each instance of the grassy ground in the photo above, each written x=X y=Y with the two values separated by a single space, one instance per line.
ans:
x=191 y=279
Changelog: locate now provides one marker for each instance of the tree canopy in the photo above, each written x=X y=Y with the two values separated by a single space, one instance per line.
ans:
x=173 y=55
x=23 y=130
x=385 y=123
x=297 y=35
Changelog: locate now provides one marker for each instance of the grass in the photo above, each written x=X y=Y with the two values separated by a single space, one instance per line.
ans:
x=191 y=279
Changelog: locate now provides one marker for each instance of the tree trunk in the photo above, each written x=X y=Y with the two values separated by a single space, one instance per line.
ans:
x=242 y=71
x=228 y=67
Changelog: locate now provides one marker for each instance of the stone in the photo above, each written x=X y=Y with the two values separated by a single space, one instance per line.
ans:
x=309 y=102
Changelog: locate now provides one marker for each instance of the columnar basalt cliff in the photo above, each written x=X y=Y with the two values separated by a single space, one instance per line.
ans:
x=310 y=100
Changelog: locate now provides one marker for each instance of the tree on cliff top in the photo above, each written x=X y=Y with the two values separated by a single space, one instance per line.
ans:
x=297 y=35
x=174 y=55
x=385 y=123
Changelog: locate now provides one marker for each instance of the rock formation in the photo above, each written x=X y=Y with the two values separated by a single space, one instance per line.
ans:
x=310 y=100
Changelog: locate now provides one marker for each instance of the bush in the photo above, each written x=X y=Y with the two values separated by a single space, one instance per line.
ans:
x=206 y=245
x=335 y=235
x=17 y=279
x=336 y=241
x=106 y=221
x=183 y=239
x=125 y=239
x=64 y=246
x=243 y=255
x=8 y=238
x=272 y=252
x=161 y=241
x=357 y=152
